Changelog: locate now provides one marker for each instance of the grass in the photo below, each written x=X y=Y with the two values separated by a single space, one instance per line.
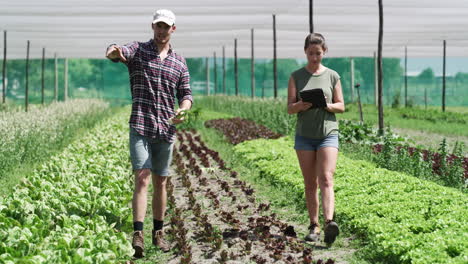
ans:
x=393 y=119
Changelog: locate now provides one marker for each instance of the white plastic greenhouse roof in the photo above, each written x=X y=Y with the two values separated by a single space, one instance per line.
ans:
x=83 y=29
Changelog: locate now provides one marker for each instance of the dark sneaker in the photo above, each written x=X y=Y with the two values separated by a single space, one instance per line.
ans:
x=314 y=233
x=160 y=242
x=331 y=232
x=138 y=244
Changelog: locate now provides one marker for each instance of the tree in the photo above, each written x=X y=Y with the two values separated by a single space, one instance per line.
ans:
x=427 y=75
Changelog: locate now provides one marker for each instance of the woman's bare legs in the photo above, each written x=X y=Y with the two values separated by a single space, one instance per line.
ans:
x=325 y=168
x=307 y=162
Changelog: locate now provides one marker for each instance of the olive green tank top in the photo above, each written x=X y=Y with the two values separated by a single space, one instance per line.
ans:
x=316 y=123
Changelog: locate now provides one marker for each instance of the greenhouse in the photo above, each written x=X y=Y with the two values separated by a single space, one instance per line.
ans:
x=207 y=139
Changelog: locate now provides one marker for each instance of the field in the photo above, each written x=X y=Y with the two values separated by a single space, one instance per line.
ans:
x=419 y=124
x=236 y=195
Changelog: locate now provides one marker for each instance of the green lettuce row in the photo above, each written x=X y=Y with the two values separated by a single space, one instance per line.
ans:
x=404 y=219
x=73 y=207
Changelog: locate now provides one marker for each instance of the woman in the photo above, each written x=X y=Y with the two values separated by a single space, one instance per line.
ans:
x=316 y=140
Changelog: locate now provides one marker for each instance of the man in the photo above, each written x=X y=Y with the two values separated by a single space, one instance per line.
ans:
x=156 y=71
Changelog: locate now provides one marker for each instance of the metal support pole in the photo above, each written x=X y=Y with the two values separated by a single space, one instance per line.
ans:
x=425 y=97
x=380 y=69
x=224 y=70
x=264 y=77
x=207 y=64
x=215 y=73
x=236 y=72
x=252 y=69
x=352 y=78
x=359 y=102
x=26 y=97
x=65 y=77
x=275 y=70
x=4 y=64
x=42 y=76
x=443 y=78
x=406 y=77
x=311 y=16
x=55 y=78
x=103 y=81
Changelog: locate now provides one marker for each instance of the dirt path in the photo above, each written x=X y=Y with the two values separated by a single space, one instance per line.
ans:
x=216 y=217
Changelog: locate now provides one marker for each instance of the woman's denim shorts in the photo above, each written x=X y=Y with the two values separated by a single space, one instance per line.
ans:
x=149 y=153
x=310 y=144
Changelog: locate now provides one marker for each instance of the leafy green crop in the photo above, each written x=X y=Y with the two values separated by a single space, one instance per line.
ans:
x=73 y=208
x=404 y=219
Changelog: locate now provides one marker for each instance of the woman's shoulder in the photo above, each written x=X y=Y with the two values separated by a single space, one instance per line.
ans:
x=333 y=74
x=299 y=72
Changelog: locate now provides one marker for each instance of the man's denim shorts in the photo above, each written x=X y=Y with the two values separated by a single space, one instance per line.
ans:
x=310 y=144
x=149 y=153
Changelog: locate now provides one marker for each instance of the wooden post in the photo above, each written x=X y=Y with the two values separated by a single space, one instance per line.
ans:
x=26 y=97
x=55 y=78
x=352 y=78
x=224 y=70
x=207 y=64
x=42 y=75
x=275 y=71
x=406 y=77
x=252 y=66
x=65 y=78
x=4 y=65
x=380 y=71
x=311 y=16
x=236 y=73
x=215 y=73
x=443 y=78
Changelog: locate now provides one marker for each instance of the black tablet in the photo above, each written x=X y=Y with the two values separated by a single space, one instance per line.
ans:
x=314 y=96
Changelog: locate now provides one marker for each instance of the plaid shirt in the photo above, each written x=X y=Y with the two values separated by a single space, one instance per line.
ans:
x=153 y=84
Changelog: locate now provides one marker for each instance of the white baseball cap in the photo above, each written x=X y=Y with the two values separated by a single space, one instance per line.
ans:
x=164 y=15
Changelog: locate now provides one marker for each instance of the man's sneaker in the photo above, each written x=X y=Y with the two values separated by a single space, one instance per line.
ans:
x=159 y=241
x=314 y=233
x=138 y=244
x=331 y=232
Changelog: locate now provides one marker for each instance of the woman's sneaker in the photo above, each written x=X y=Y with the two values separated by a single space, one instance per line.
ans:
x=331 y=232
x=314 y=233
